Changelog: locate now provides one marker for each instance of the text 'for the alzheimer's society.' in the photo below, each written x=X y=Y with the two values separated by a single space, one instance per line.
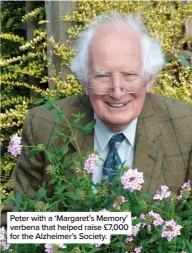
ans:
x=67 y=227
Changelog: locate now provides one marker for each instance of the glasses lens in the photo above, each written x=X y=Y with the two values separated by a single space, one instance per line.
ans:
x=106 y=89
x=101 y=89
x=132 y=87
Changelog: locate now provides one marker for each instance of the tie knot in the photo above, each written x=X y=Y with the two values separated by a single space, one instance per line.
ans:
x=116 y=141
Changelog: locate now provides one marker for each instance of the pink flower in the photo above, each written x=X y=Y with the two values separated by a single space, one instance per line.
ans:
x=91 y=163
x=128 y=239
x=163 y=193
x=157 y=218
x=170 y=230
x=61 y=245
x=3 y=242
x=97 y=245
x=15 y=145
x=138 y=249
x=132 y=180
x=116 y=206
x=135 y=229
x=122 y=199
x=118 y=202
x=49 y=247
x=185 y=188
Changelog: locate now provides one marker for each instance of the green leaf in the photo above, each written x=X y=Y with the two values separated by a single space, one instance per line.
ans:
x=39 y=101
x=146 y=195
x=58 y=116
x=169 y=57
x=67 y=164
x=33 y=152
x=78 y=116
x=64 y=150
x=183 y=60
x=41 y=193
x=18 y=197
x=48 y=156
x=71 y=195
x=87 y=128
x=186 y=53
x=52 y=181
x=188 y=244
x=60 y=188
x=48 y=106
x=186 y=223
x=185 y=213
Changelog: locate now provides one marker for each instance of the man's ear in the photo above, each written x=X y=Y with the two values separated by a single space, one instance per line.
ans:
x=150 y=82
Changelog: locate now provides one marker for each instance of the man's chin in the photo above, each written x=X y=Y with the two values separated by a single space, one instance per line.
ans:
x=118 y=125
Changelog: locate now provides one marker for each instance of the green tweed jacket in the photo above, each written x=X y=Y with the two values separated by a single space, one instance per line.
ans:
x=163 y=149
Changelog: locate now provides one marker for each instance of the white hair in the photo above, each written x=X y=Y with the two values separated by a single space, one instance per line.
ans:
x=153 y=59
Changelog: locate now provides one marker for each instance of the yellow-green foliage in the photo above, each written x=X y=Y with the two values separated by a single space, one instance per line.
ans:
x=12 y=37
x=164 y=19
x=14 y=116
x=33 y=14
x=61 y=50
x=68 y=87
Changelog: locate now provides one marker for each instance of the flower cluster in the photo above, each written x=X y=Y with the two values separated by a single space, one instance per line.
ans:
x=91 y=163
x=117 y=203
x=136 y=250
x=163 y=193
x=15 y=145
x=132 y=180
x=49 y=248
x=3 y=243
x=170 y=230
x=135 y=230
x=151 y=218
x=185 y=190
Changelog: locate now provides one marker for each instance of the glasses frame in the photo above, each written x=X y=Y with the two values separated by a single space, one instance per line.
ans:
x=112 y=87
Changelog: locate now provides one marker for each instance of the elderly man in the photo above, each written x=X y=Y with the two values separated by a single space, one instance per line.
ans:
x=117 y=63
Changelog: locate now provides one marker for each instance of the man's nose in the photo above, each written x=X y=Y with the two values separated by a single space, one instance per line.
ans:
x=117 y=91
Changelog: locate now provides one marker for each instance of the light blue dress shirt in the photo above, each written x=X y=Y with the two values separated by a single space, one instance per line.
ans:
x=102 y=136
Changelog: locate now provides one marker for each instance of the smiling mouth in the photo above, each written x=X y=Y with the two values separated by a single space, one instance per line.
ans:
x=117 y=105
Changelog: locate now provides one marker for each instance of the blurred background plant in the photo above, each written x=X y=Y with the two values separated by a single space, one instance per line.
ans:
x=28 y=72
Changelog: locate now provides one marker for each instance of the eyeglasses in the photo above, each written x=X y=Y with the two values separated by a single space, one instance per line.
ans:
x=102 y=89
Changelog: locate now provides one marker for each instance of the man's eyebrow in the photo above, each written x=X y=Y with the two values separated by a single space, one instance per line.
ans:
x=128 y=71
x=102 y=72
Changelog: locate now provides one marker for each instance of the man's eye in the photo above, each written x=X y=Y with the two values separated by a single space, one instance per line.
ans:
x=130 y=76
x=102 y=77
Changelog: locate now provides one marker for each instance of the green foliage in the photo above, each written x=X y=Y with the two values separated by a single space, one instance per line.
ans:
x=24 y=63
x=74 y=191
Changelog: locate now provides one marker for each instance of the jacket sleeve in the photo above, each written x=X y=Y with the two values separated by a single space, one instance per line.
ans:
x=28 y=172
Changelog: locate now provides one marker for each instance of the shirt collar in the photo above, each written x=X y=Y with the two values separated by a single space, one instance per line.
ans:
x=103 y=134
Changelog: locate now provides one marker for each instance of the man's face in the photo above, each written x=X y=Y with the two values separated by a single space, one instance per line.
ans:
x=116 y=52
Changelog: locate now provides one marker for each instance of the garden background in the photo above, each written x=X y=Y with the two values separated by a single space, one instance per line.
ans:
x=37 y=40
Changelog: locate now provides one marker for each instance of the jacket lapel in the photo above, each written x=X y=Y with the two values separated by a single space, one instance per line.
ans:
x=148 y=154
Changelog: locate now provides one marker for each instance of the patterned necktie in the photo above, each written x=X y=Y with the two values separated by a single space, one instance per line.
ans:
x=113 y=158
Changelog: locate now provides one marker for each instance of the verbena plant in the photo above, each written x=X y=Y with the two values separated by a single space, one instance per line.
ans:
x=161 y=223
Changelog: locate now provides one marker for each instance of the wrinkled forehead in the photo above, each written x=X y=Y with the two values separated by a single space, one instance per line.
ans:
x=111 y=31
x=115 y=43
